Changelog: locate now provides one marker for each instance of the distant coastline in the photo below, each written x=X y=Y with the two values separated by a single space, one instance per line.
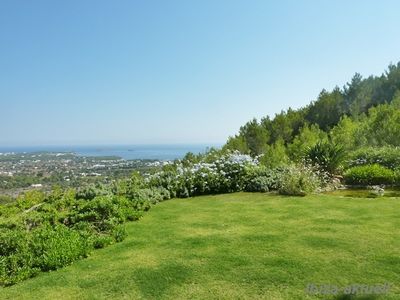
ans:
x=127 y=152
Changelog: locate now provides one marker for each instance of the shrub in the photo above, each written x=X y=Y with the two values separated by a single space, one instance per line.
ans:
x=326 y=156
x=55 y=247
x=119 y=233
x=16 y=258
x=260 y=179
x=388 y=157
x=369 y=175
x=30 y=198
x=149 y=195
x=101 y=241
x=105 y=211
x=275 y=155
x=258 y=184
x=41 y=232
x=211 y=175
x=91 y=191
x=298 y=181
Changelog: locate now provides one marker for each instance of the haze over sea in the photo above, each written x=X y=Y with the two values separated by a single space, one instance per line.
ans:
x=159 y=152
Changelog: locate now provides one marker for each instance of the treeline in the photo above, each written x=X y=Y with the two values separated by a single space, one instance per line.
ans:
x=365 y=112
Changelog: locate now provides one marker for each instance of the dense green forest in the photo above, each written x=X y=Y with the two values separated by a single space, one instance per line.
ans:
x=364 y=113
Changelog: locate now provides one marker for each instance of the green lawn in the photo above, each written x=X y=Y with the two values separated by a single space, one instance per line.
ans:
x=237 y=246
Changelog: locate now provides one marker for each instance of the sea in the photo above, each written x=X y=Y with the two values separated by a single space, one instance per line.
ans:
x=127 y=152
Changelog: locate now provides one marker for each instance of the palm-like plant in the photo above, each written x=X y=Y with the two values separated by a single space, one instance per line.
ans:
x=327 y=156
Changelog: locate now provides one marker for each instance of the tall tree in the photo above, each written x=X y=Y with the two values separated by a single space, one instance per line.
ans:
x=327 y=110
x=255 y=135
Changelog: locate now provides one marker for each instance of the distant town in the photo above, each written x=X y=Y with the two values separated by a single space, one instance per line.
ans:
x=41 y=170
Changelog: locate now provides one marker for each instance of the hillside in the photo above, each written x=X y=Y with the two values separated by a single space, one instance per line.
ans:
x=365 y=112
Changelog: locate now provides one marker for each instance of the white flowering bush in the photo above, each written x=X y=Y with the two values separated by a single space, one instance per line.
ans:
x=226 y=173
x=232 y=172
x=299 y=180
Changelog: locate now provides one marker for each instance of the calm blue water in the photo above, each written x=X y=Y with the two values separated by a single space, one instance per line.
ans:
x=161 y=152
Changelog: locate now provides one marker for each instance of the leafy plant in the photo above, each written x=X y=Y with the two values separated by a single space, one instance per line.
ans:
x=388 y=157
x=16 y=257
x=55 y=247
x=369 y=175
x=258 y=184
x=298 y=180
x=327 y=156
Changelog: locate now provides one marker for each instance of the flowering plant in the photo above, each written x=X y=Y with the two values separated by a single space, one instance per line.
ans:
x=221 y=174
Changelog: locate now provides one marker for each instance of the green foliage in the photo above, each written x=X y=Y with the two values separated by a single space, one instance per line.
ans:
x=238 y=143
x=119 y=233
x=298 y=180
x=24 y=253
x=258 y=184
x=327 y=110
x=16 y=181
x=190 y=158
x=101 y=241
x=41 y=232
x=57 y=246
x=285 y=126
x=347 y=134
x=364 y=113
x=370 y=175
x=90 y=191
x=137 y=181
x=382 y=127
x=30 y=198
x=16 y=257
x=260 y=179
x=388 y=157
x=269 y=238
x=105 y=212
x=326 y=156
x=256 y=137
x=275 y=155
x=308 y=137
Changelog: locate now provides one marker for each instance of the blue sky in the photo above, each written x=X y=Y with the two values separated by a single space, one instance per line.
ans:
x=134 y=72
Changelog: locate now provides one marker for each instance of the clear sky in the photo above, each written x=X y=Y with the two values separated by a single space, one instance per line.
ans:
x=129 y=72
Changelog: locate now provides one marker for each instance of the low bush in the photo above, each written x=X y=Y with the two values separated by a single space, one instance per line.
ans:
x=91 y=191
x=58 y=246
x=258 y=184
x=16 y=257
x=24 y=253
x=119 y=233
x=298 y=181
x=40 y=232
x=101 y=241
x=30 y=198
x=369 y=175
x=211 y=175
x=388 y=157
x=260 y=179
x=147 y=196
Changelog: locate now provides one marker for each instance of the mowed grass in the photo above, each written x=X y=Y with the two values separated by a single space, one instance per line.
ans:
x=237 y=246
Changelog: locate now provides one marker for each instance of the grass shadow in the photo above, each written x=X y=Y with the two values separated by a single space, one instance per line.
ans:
x=154 y=282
